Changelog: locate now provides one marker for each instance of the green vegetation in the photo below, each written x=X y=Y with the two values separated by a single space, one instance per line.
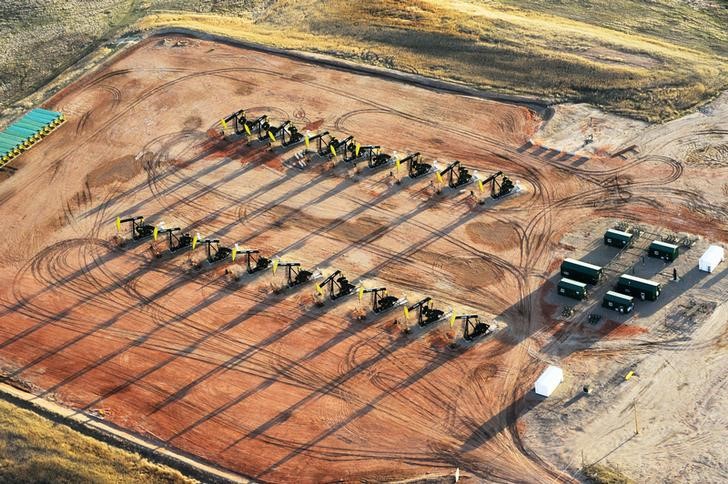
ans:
x=34 y=449
x=650 y=60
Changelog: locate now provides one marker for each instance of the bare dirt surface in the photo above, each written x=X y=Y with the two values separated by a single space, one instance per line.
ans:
x=272 y=386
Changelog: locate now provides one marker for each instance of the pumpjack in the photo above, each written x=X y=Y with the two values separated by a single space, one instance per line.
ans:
x=177 y=242
x=457 y=175
x=139 y=230
x=473 y=326
x=338 y=286
x=243 y=125
x=239 y=119
x=337 y=147
x=290 y=135
x=375 y=158
x=500 y=185
x=426 y=314
x=415 y=166
x=295 y=275
x=325 y=143
x=254 y=262
x=381 y=301
x=274 y=132
x=216 y=252
x=258 y=125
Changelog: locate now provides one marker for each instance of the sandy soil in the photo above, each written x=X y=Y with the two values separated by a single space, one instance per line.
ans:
x=270 y=385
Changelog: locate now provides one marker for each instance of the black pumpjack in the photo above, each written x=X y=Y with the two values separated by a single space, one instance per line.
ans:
x=426 y=314
x=338 y=285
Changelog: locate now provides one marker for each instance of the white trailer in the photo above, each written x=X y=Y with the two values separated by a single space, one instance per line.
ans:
x=711 y=258
x=549 y=380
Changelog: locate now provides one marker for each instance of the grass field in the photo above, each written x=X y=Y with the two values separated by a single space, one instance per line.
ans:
x=34 y=449
x=650 y=60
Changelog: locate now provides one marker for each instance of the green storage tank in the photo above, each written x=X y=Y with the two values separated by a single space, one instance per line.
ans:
x=663 y=250
x=617 y=238
x=638 y=287
x=571 y=288
x=618 y=302
x=581 y=271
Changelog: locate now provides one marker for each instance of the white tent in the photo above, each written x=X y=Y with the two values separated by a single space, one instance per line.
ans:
x=711 y=258
x=549 y=380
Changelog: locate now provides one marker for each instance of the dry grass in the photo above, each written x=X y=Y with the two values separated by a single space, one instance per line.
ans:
x=501 y=47
x=34 y=449
x=601 y=474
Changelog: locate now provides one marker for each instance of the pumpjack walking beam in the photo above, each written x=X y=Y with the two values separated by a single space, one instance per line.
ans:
x=426 y=314
x=337 y=286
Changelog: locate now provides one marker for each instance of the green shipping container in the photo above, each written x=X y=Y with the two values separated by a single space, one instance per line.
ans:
x=618 y=302
x=663 y=250
x=617 y=238
x=571 y=288
x=638 y=287
x=581 y=271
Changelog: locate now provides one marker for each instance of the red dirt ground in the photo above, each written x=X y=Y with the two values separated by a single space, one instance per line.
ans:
x=271 y=386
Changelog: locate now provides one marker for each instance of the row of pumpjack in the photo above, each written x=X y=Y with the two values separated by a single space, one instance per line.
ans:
x=324 y=144
x=337 y=285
